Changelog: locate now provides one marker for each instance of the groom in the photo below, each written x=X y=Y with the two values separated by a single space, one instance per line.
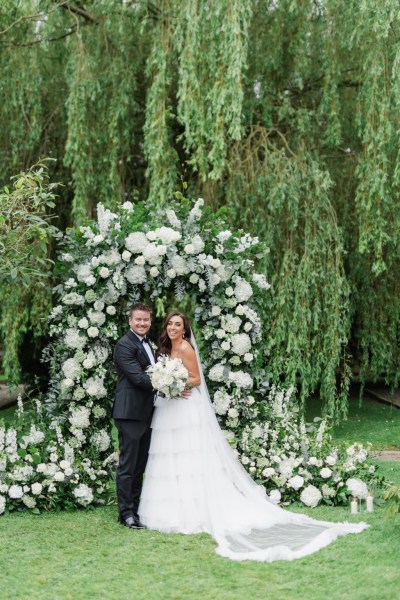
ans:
x=132 y=412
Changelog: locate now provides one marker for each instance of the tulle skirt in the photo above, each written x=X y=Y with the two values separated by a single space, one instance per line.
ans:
x=194 y=483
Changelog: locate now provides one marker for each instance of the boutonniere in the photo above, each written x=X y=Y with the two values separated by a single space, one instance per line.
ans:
x=153 y=346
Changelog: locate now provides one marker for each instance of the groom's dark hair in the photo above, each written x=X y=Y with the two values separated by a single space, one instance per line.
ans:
x=140 y=306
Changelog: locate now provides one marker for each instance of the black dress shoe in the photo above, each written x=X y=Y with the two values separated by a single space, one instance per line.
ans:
x=131 y=522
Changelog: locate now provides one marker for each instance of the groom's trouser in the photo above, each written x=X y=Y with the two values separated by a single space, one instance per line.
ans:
x=134 y=442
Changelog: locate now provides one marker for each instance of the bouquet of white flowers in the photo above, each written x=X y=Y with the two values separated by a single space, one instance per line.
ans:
x=168 y=376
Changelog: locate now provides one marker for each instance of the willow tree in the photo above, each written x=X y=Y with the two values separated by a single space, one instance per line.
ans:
x=285 y=111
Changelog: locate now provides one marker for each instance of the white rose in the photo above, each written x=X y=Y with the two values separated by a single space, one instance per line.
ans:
x=215 y=311
x=171 y=273
x=220 y=333
x=104 y=272
x=83 y=323
x=65 y=464
x=140 y=260
x=330 y=460
x=154 y=271
x=248 y=357
x=225 y=345
x=93 y=332
x=151 y=235
x=111 y=310
x=229 y=291
x=248 y=326
x=194 y=278
x=189 y=249
x=240 y=310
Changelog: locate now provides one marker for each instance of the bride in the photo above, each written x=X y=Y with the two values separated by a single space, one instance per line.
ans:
x=194 y=483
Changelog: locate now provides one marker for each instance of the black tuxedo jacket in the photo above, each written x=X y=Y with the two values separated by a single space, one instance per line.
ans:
x=134 y=394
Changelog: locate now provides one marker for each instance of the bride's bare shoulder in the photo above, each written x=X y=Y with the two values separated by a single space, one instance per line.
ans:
x=187 y=349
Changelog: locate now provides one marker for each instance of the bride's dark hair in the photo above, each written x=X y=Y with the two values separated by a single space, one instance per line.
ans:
x=164 y=342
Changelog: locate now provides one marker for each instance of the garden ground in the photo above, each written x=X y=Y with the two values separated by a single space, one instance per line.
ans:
x=85 y=554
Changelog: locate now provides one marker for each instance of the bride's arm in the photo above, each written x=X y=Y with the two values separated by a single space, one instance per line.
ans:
x=189 y=360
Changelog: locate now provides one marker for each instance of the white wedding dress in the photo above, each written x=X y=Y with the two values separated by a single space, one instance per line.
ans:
x=194 y=483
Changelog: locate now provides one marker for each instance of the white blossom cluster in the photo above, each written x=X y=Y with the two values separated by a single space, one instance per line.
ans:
x=299 y=462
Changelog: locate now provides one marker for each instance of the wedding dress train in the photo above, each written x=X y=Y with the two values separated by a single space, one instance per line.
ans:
x=194 y=483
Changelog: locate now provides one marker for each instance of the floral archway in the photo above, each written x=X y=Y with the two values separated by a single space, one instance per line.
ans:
x=65 y=457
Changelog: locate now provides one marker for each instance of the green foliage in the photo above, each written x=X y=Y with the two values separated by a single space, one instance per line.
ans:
x=392 y=495
x=25 y=266
x=286 y=111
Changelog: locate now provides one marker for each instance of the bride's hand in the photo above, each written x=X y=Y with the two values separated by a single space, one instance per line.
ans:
x=186 y=393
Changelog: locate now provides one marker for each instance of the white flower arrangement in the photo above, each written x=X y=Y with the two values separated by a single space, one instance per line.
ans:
x=136 y=242
x=166 y=253
x=311 y=496
x=168 y=376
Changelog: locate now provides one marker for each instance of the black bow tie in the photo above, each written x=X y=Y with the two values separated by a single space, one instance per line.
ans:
x=145 y=340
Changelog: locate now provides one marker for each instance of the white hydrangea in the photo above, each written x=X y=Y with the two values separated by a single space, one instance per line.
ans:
x=95 y=387
x=180 y=265
x=136 y=242
x=2 y=504
x=243 y=290
x=84 y=494
x=327 y=491
x=167 y=235
x=268 y=472
x=331 y=460
x=310 y=496
x=59 y=476
x=73 y=298
x=73 y=339
x=357 y=488
x=231 y=323
x=241 y=343
x=221 y=402
x=28 y=501
x=241 y=379
x=101 y=440
x=152 y=255
x=128 y=206
x=83 y=272
x=15 y=492
x=296 y=482
x=325 y=473
x=71 y=368
x=218 y=372
x=111 y=258
x=136 y=274
x=96 y=317
x=80 y=417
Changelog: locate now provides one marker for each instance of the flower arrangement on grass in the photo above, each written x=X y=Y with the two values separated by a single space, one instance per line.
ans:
x=122 y=258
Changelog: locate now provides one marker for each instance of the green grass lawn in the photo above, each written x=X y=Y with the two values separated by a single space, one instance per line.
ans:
x=371 y=421
x=86 y=555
